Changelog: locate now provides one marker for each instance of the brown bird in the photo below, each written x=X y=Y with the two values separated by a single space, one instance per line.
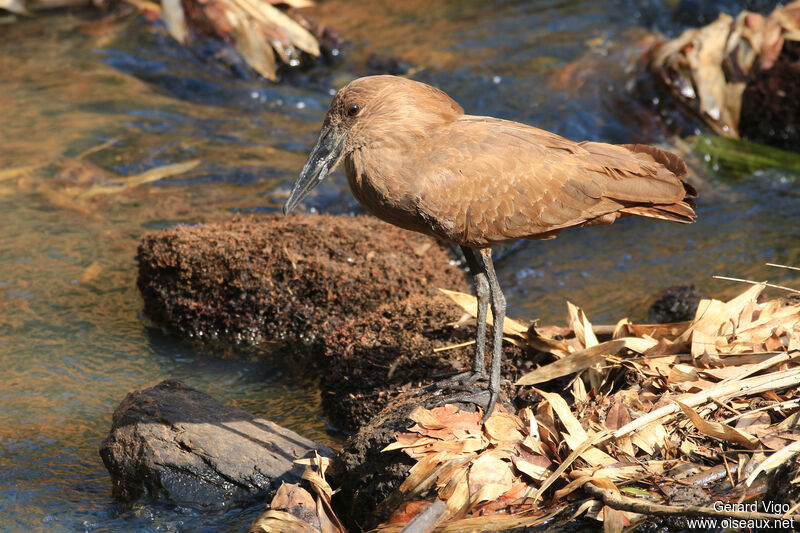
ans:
x=415 y=160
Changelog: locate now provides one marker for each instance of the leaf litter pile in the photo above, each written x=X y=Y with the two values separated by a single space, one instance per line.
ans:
x=708 y=69
x=268 y=34
x=668 y=419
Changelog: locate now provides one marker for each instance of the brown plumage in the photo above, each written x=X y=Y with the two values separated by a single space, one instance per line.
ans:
x=414 y=159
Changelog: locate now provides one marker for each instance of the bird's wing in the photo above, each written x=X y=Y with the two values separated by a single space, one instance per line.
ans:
x=513 y=180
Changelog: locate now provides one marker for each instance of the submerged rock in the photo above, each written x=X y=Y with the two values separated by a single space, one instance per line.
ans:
x=677 y=303
x=176 y=443
x=283 y=278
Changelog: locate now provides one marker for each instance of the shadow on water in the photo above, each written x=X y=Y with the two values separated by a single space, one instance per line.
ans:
x=72 y=338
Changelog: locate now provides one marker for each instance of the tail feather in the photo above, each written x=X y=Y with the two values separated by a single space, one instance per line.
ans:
x=682 y=211
x=672 y=162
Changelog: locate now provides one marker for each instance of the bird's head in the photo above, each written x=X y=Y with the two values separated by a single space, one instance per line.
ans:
x=369 y=110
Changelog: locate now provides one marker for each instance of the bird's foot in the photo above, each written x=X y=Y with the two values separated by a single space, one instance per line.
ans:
x=460 y=381
x=480 y=397
x=477 y=396
x=462 y=388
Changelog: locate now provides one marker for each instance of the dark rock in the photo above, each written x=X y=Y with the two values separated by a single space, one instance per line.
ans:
x=376 y=356
x=676 y=304
x=782 y=487
x=367 y=477
x=771 y=102
x=283 y=278
x=380 y=64
x=176 y=443
x=695 y=13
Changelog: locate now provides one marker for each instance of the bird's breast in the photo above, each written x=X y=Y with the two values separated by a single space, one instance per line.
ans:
x=389 y=189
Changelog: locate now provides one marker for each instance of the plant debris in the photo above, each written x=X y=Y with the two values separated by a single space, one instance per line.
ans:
x=76 y=184
x=708 y=406
x=268 y=34
x=710 y=70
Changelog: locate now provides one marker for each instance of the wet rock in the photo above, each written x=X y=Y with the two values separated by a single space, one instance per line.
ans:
x=366 y=476
x=176 y=443
x=782 y=486
x=676 y=304
x=771 y=102
x=377 y=356
x=283 y=278
x=381 y=64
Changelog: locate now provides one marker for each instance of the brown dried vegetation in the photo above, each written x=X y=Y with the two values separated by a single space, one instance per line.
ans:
x=705 y=407
x=738 y=75
x=270 y=35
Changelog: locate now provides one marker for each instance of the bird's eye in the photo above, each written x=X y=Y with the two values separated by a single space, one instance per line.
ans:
x=353 y=110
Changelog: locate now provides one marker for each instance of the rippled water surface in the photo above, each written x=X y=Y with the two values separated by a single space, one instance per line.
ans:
x=85 y=103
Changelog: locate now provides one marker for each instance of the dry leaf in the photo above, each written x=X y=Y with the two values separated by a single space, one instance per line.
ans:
x=534 y=466
x=717 y=430
x=504 y=427
x=296 y=501
x=470 y=304
x=489 y=477
x=175 y=20
x=425 y=418
x=649 y=438
x=774 y=461
x=577 y=321
x=576 y=435
x=279 y=522
x=617 y=416
x=407 y=511
x=681 y=372
x=583 y=359
x=613 y=520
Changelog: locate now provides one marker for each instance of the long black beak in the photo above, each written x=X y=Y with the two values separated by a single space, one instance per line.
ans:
x=323 y=157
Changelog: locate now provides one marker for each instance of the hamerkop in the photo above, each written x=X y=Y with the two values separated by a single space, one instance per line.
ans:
x=415 y=160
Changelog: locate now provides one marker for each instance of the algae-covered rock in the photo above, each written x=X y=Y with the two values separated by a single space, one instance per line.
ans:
x=283 y=278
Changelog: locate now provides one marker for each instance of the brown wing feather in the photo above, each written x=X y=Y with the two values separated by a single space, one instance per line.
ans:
x=518 y=181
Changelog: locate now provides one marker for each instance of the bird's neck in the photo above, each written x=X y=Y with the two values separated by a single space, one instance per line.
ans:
x=383 y=180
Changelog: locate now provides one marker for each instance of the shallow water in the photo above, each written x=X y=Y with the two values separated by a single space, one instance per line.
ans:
x=72 y=338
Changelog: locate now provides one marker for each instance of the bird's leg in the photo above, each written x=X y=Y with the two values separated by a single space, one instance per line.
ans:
x=481 y=283
x=482 y=295
x=498 y=303
x=482 y=397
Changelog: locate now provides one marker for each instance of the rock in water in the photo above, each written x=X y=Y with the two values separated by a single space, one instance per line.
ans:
x=283 y=278
x=677 y=303
x=177 y=443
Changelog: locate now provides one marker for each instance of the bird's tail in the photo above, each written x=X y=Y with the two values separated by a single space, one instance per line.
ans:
x=682 y=211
